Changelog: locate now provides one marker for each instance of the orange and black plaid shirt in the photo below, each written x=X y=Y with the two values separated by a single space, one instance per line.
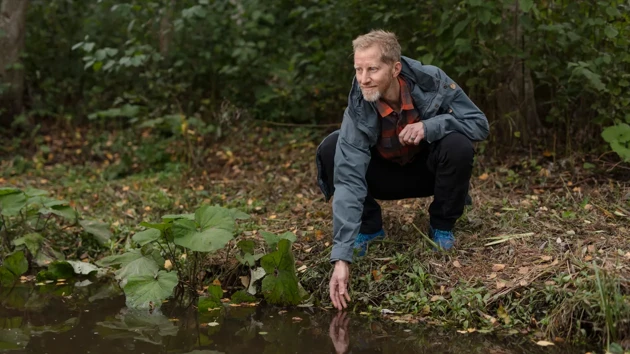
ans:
x=392 y=123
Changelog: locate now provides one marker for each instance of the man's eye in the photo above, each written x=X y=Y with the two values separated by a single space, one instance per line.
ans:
x=372 y=69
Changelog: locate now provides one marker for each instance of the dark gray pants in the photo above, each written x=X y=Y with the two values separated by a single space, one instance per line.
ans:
x=441 y=170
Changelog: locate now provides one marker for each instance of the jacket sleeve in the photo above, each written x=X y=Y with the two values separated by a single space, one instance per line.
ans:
x=352 y=157
x=463 y=115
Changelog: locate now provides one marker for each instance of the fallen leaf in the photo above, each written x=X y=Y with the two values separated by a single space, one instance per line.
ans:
x=456 y=264
x=498 y=267
x=492 y=275
x=245 y=280
x=523 y=270
x=484 y=176
x=523 y=283
x=216 y=282
x=296 y=319
x=302 y=269
x=588 y=258
x=435 y=298
x=546 y=258
x=168 y=265
x=544 y=343
x=500 y=284
x=462 y=332
x=212 y=324
x=282 y=312
x=377 y=275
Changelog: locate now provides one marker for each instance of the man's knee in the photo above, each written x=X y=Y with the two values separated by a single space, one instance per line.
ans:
x=325 y=164
x=326 y=149
x=457 y=148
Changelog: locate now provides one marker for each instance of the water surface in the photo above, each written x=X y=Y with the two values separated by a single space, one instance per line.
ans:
x=93 y=319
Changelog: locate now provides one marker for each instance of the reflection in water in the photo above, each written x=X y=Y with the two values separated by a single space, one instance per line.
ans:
x=46 y=319
x=338 y=332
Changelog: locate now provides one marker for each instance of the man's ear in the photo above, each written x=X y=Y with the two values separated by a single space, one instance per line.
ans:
x=396 y=69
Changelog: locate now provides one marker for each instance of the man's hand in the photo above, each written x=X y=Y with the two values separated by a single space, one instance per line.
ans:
x=412 y=134
x=338 y=333
x=339 y=285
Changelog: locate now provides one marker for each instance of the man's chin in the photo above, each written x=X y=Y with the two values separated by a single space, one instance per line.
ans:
x=371 y=96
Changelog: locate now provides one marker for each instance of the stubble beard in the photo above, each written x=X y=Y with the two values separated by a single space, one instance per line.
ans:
x=371 y=95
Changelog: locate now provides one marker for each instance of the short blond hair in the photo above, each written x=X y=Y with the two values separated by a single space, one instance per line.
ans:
x=387 y=42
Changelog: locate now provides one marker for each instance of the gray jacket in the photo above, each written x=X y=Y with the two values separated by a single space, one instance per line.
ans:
x=444 y=108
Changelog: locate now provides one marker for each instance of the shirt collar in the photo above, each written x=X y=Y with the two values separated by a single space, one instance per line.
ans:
x=407 y=104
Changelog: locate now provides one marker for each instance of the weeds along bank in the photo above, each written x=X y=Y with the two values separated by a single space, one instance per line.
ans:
x=543 y=251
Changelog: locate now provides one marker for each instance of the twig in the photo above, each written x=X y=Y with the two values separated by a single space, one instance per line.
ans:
x=567 y=188
x=426 y=237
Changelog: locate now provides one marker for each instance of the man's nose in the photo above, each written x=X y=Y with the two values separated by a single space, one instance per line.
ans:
x=364 y=78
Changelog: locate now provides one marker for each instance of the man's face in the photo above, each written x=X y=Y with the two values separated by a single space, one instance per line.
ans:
x=374 y=76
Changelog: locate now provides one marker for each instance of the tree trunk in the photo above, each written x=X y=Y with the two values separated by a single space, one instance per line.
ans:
x=12 y=31
x=516 y=105
x=166 y=28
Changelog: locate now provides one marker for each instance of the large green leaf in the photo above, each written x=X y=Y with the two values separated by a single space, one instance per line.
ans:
x=212 y=301
x=133 y=263
x=526 y=5
x=56 y=270
x=214 y=217
x=99 y=230
x=32 y=242
x=144 y=291
x=273 y=239
x=146 y=236
x=16 y=263
x=238 y=215
x=8 y=190
x=14 y=266
x=64 y=211
x=12 y=203
x=213 y=238
x=34 y=192
x=280 y=286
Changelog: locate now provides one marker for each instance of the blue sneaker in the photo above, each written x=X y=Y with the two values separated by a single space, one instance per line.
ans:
x=362 y=240
x=444 y=239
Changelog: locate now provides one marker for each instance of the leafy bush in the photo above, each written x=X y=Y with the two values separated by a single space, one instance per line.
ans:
x=172 y=253
x=129 y=62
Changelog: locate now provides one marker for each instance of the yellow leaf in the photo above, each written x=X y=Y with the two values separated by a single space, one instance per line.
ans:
x=502 y=314
x=523 y=270
x=498 y=267
x=377 y=275
x=168 y=265
x=484 y=177
x=216 y=282
x=544 y=343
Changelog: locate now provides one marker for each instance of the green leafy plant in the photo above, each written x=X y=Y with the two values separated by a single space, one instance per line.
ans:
x=29 y=219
